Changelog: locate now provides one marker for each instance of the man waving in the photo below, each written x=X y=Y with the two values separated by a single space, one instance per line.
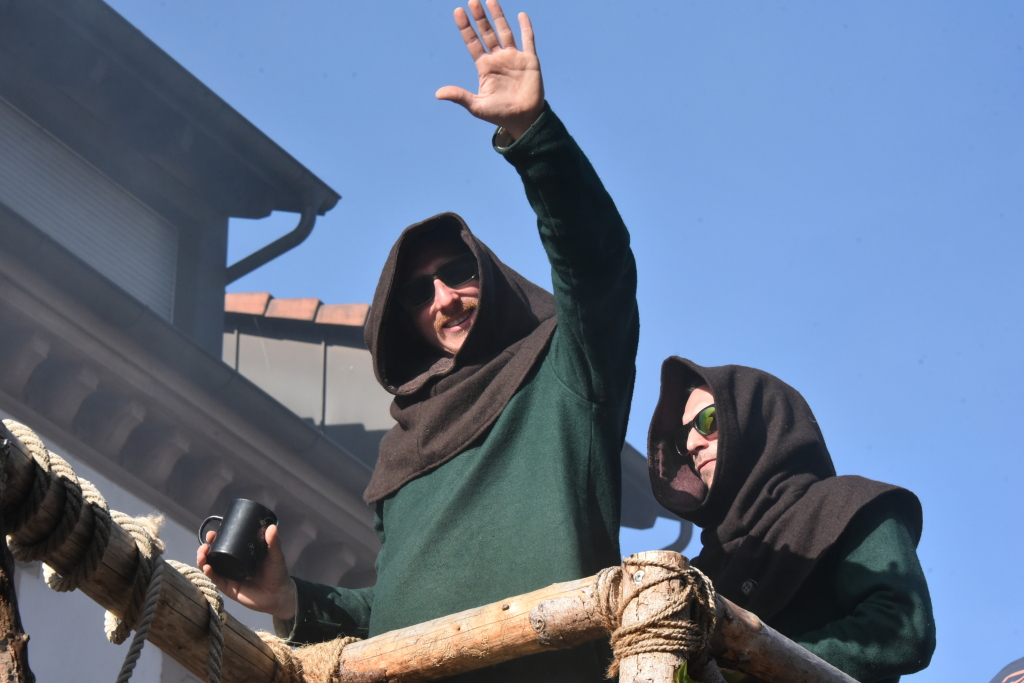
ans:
x=502 y=473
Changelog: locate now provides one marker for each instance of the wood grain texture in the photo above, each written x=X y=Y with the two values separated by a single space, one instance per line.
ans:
x=556 y=617
x=745 y=643
x=649 y=667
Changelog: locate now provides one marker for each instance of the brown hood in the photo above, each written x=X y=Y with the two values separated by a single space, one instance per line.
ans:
x=775 y=506
x=443 y=405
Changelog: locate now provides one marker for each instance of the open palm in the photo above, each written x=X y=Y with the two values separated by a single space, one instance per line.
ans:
x=511 y=91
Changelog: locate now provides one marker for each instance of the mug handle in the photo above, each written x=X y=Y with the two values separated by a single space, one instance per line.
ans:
x=202 y=527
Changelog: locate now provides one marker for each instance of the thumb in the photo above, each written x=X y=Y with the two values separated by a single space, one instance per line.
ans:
x=274 y=544
x=455 y=94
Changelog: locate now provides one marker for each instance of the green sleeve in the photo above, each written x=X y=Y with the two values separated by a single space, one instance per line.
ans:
x=592 y=268
x=889 y=629
x=327 y=612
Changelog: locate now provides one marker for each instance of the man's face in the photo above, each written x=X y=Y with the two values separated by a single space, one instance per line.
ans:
x=703 y=450
x=444 y=321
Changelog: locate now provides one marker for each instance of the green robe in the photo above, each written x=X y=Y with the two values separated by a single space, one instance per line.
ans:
x=538 y=500
x=865 y=608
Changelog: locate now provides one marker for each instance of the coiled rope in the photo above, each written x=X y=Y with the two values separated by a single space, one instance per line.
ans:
x=662 y=631
x=57 y=474
x=317 y=662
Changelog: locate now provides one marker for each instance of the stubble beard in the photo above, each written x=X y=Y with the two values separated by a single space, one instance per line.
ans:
x=468 y=305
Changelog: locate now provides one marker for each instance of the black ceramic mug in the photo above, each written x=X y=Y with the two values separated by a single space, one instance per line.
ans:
x=241 y=543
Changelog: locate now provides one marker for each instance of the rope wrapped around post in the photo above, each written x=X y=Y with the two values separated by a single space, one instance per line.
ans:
x=680 y=624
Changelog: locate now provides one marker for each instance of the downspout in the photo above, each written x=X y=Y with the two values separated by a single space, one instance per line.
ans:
x=282 y=244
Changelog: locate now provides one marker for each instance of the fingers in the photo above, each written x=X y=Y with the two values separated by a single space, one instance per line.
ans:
x=488 y=40
x=526 y=28
x=476 y=49
x=222 y=584
x=483 y=25
x=505 y=34
x=211 y=536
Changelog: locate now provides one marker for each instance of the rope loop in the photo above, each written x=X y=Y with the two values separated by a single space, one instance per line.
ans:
x=217 y=616
x=145 y=531
x=662 y=631
x=152 y=601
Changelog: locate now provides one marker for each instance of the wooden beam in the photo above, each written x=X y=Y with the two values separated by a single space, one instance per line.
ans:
x=559 y=616
x=180 y=627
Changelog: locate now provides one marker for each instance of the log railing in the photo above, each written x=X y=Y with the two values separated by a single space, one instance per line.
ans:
x=559 y=616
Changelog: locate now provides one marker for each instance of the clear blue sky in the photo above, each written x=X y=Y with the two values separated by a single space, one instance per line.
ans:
x=833 y=192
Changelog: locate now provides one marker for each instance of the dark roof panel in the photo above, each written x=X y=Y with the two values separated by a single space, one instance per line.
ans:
x=96 y=82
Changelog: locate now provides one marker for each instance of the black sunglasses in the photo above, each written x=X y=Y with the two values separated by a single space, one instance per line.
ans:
x=705 y=424
x=419 y=291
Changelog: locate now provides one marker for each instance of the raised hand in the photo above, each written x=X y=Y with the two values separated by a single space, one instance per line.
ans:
x=511 y=92
x=270 y=592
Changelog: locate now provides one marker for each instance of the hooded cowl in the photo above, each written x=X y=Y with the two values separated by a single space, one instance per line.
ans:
x=775 y=506
x=443 y=405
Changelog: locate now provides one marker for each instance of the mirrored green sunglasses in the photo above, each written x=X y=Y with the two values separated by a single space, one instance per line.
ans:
x=705 y=424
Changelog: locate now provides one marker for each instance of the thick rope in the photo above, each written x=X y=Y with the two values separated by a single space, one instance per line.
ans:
x=145 y=531
x=152 y=601
x=288 y=668
x=77 y=493
x=217 y=617
x=319 y=663
x=662 y=631
x=55 y=475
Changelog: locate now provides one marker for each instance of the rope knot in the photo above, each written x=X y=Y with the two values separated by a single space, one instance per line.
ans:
x=683 y=625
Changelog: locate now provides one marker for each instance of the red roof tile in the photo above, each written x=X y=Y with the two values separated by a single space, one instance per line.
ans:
x=253 y=303
x=343 y=314
x=294 y=309
x=263 y=304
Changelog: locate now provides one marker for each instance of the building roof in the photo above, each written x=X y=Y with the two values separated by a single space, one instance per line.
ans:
x=100 y=86
x=309 y=310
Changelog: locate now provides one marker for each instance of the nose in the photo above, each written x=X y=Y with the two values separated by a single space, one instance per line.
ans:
x=443 y=294
x=695 y=441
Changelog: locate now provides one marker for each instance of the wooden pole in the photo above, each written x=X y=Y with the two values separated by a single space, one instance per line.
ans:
x=559 y=616
x=181 y=625
x=743 y=642
x=14 y=666
x=650 y=667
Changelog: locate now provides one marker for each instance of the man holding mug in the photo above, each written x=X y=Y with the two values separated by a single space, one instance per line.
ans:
x=502 y=475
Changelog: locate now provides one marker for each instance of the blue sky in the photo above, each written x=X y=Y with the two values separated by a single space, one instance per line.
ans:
x=830 y=192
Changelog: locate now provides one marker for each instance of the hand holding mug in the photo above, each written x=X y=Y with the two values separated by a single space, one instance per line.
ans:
x=270 y=589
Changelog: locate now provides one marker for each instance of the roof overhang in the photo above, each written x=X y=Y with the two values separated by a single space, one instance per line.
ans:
x=96 y=82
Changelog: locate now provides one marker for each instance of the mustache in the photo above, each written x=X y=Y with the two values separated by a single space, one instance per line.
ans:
x=468 y=304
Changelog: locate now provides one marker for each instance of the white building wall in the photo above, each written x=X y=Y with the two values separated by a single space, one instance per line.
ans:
x=67 y=642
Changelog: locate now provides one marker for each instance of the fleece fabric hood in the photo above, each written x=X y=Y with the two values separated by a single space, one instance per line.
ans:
x=775 y=506
x=444 y=404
